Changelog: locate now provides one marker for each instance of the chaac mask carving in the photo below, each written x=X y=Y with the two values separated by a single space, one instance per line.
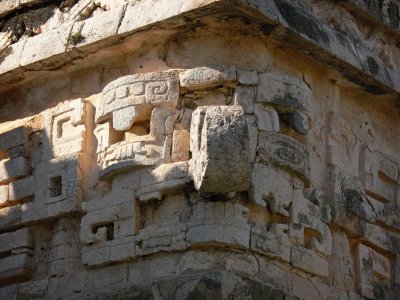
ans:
x=137 y=111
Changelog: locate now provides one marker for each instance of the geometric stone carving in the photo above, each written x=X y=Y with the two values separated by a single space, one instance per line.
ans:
x=137 y=91
x=379 y=174
x=219 y=142
x=64 y=129
x=372 y=268
x=271 y=187
x=284 y=152
x=142 y=108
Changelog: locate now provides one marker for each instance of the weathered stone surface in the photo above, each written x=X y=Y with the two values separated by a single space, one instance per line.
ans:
x=13 y=168
x=285 y=153
x=22 y=188
x=247 y=77
x=207 y=77
x=13 y=138
x=245 y=96
x=286 y=93
x=257 y=160
x=267 y=118
x=220 y=149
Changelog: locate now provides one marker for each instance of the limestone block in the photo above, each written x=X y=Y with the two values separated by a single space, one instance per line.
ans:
x=22 y=188
x=247 y=77
x=110 y=251
x=58 y=188
x=10 y=216
x=219 y=223
x=284 y=152
x=309 y=261
x=65 y=255
x=138 y=92
x=46 y=45
x=13 y=168
x=267 y=118
x=3 y=194
x=379 y=174
x=219 y=143
x=341 y=262
x=245 y=96
x=13 y=138
x=298 y=120
x=274 y=243
x=98 y=27
x=65 y=129
x=167 y=178
x=33 y=289
x=108 y=277
x=14 y=267
x=180 y=145
x=271 y=187
x=306 y=226
x=67 y=286
x=142 y=150
x=372 y=268
x=9 y=292
x=16 y=240
x=162 y=238
x=380 y=238
x=286 y=93
x=342 y=150
x=207 y=77
x=251 y=121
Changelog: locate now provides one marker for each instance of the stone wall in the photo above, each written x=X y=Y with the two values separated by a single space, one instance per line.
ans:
x=199 y=149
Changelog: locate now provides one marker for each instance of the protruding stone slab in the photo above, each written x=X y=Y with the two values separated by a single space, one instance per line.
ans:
x=15 y=137
x=207 y=77
x=13 y=168
x=285 y=92
x=219 y=143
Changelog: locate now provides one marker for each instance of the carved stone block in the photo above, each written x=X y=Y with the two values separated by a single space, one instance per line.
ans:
x=219 y=143
x=284 y=152
x=64 y=129
x=380 y=175
x=372 y=268
x=13 y=168
x=219 y=223
x=285 y=92
x=272 y=188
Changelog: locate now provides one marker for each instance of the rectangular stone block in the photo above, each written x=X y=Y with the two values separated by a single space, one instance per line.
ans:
x=219 y=223
x=220 y=165
x=13 y=168
x=180 y=145
x=15 y=240
x=372 y=268
x=15 y=137
x=380 y=174
x=274 y=243
x=14 y=267
x=206 y=77
x=22 y=188
x=3 y=194
x=309 y=261
x=10 y=216
x=65 y=129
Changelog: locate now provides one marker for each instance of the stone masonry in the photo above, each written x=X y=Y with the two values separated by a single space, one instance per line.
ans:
x=200 y=149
